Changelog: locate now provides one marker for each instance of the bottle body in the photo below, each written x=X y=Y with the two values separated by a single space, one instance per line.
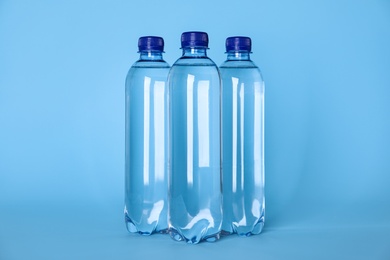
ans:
x=146 y=148
x=243 y=146
x=195 y=209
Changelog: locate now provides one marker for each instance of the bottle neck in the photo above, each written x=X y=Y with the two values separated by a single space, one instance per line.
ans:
x=151 y=55
x=238 y=55
x=197 y=52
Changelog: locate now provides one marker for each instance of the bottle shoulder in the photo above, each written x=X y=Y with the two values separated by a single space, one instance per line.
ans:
x=150 y=64
x=240 y=69
x=140 y=70
x=239 y=64
x=191 y=61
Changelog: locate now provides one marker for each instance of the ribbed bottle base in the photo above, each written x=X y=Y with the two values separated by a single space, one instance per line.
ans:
x=146 y=231
x=175 y=235
x=244 y=231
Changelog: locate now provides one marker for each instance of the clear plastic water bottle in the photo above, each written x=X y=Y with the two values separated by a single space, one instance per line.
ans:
x=146 y=163
x=195 y=205
x=243 y=140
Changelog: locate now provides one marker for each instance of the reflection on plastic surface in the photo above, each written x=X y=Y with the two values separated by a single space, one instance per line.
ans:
x=204 y=124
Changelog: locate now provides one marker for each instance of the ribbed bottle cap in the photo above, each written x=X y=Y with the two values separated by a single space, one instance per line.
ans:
x=151 y=43
x=194 y=39
x=238 y=43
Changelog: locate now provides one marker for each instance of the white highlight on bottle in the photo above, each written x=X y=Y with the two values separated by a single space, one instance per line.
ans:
x=242 y=222
x=203 y=215
x=159 y=130
x=257 y=135
x=242 y=133
x=203 y=123
x=147 y=81
x=256 y=208
x=155 y=212
x=234 y=134
x=190 y=129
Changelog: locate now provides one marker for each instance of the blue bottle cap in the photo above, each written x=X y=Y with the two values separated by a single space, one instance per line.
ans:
x=194 y=39
x=151 y=43
x=238 y=43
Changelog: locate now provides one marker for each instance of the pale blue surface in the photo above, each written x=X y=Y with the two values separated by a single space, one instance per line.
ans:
x=326 y=67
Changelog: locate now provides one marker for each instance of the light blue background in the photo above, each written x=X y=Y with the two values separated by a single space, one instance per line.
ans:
x=327 y=70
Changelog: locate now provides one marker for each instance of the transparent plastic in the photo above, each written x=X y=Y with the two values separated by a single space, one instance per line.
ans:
x=195 y=208
x=146 y=149
x=243 y=145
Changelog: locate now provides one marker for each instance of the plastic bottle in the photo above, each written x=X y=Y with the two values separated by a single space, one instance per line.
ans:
x=146 y=134
x=243 y=140
x=195 y=206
